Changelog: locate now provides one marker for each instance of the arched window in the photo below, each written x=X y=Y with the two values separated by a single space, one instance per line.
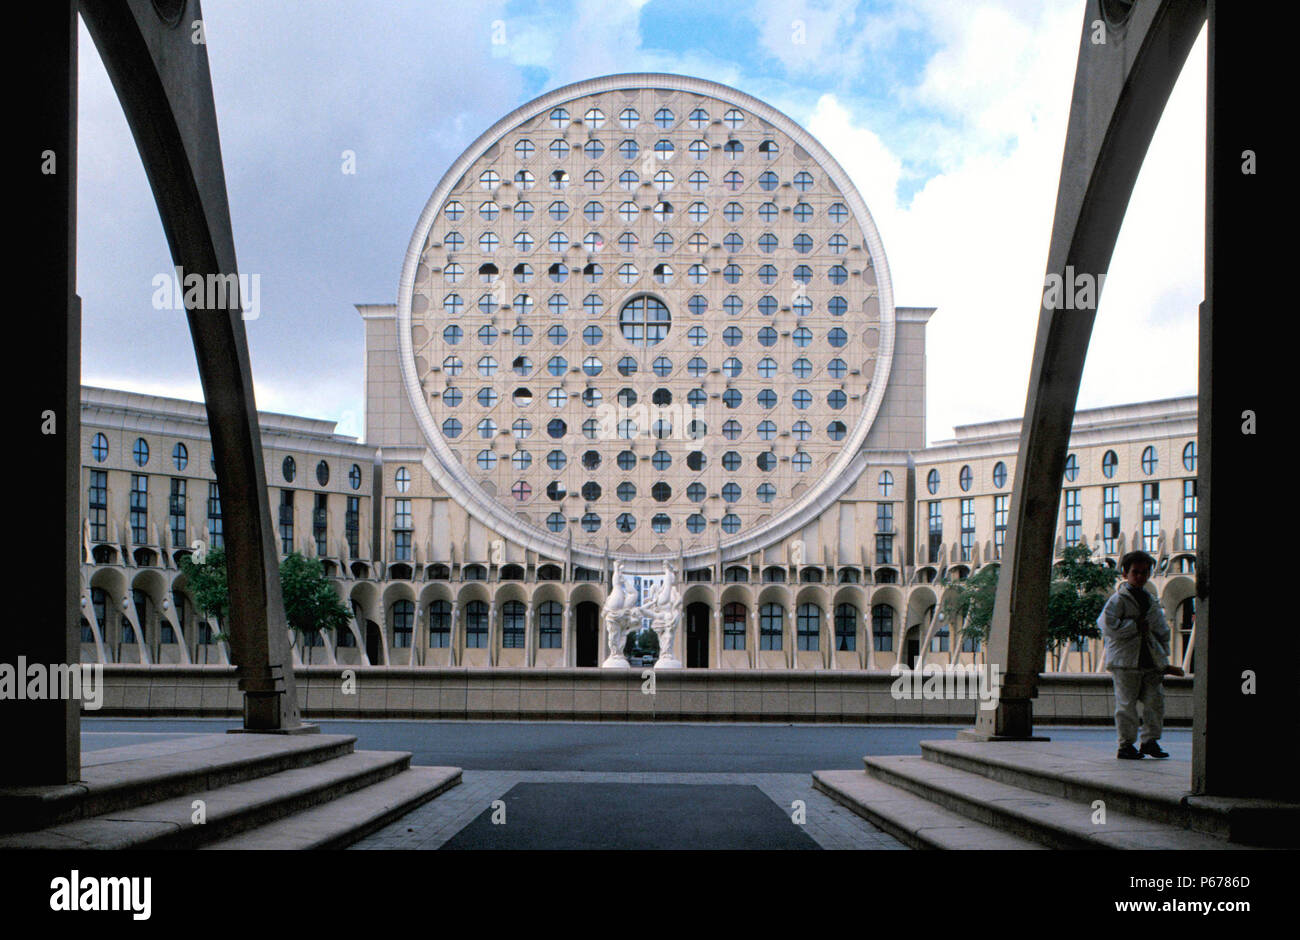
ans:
x=403 y=624
x=1189 y=457
x=846 y=627
x=808 y=622
x=473 y=573
x=932 y=481
x=549 y=573
x=882 y=628
x=1000 y=474
x=476 y=625
x=811 y=576
x=439 y=625
x=512 y=625
x=99 y=447
x=1149 y=460
x=736 y=575
x=774 y=575
x=771 y=626
x=1108 y=464
x=289 y=469
x=734 y=617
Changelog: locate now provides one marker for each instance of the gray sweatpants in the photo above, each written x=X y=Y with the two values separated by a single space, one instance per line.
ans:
x=1133 y=686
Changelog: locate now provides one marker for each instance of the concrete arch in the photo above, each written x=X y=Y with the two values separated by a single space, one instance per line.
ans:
x=854 y=594
x=812 y=594
x=737 y=594
x=588 y=592
x=436 y=591
x=474 y=591
x=365 y=595
x=548 y=591
x=1120 y=90
x=512 y=591
x=699 y=594
x=164 y=85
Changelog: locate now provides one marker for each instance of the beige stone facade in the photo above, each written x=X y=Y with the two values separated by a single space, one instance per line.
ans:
x=646 y=319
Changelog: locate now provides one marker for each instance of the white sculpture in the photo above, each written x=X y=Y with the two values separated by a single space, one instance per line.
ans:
x=622 y=616
x=796 y=553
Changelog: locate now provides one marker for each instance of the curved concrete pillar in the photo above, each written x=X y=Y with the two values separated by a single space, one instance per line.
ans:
x=1120 y=90
x=162 y=80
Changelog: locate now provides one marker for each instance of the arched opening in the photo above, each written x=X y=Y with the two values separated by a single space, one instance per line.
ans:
x=374 y=644
x=697 y=636
x=587 y=624
x=912 y=646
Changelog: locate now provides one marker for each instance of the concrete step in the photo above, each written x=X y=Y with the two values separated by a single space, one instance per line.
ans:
x=1150 y=789
x=909 y=818
x=341 y=822
x=119 y=778
x=230 y=809
x=1054 y=821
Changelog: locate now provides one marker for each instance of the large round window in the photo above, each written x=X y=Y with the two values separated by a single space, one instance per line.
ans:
x=644 y=321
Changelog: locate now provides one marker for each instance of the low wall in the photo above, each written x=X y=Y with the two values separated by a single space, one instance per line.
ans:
x=772 y=695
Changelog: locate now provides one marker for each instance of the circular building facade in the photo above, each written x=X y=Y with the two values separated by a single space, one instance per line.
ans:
x=647 y=318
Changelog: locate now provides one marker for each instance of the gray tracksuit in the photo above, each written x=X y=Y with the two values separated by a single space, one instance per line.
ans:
x=1134 y=680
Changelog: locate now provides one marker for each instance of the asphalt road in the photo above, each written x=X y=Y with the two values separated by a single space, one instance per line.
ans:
x=616 y=747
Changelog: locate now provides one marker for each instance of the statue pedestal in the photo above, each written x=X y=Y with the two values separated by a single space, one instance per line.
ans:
x=616 y=661
x=668 y=662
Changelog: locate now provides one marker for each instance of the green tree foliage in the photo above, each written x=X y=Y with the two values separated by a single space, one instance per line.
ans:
x=206 y=584
x=1079 y=591
x=310 y=602
x=969 y=603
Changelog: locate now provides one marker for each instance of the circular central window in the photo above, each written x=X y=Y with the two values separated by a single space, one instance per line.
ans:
x=644 y=321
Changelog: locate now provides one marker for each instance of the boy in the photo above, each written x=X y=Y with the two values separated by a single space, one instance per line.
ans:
x=1136 y=643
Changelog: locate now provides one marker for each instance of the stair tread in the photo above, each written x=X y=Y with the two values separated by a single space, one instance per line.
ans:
x=349 y=817
x=1156 y=781
x=138 y=825
x=926 y=823
x=1042 y=810
x=132 y=774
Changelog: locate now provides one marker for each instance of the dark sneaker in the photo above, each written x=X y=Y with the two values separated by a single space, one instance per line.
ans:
x=1152 y=749
x=1129 y=752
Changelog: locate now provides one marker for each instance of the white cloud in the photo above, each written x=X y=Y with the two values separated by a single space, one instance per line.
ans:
x=973 y=240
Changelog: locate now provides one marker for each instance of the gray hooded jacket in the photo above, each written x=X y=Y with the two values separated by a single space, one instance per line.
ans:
x=1119 y=630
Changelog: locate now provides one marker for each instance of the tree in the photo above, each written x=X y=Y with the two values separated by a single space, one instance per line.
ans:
x=970 y=603
x=310 y=602
x=1079 y=591
x=206 y=583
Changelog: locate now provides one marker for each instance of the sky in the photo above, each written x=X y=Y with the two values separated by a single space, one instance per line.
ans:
x=949 y=116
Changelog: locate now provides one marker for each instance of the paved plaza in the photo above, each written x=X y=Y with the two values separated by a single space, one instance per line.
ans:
x=619 y=785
